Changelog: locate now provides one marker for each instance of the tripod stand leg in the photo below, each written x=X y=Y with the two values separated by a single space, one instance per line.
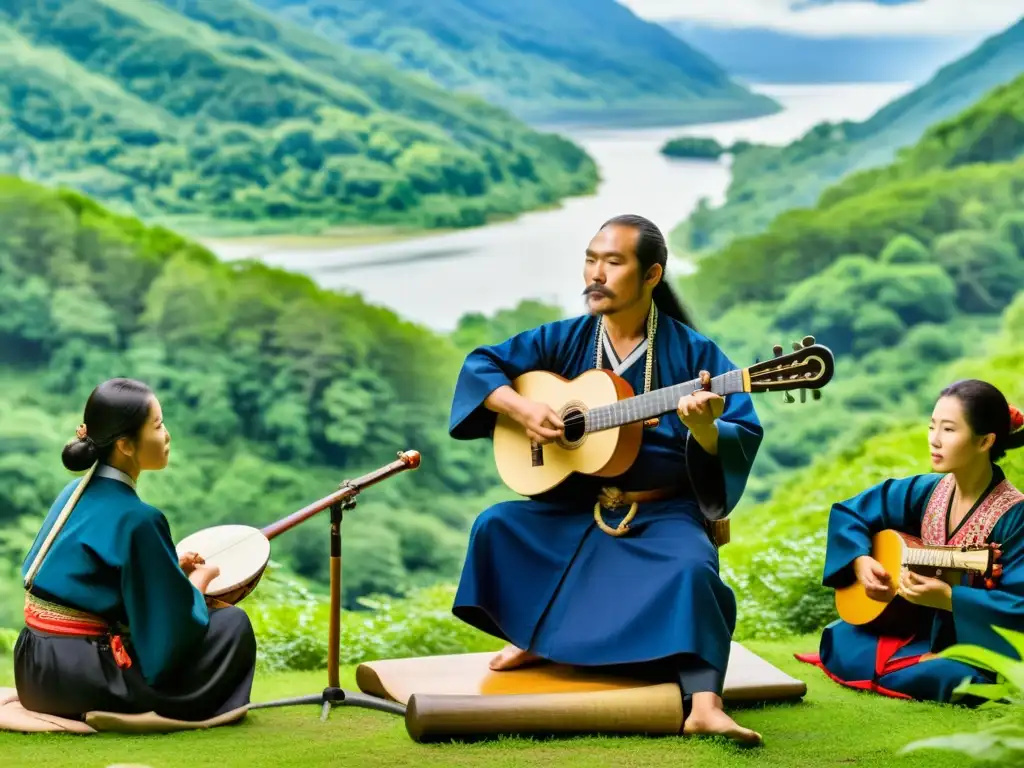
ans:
x=333 y=695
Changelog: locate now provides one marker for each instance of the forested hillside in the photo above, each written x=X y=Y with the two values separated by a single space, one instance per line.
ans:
x=767 y=180
x=897 y=270
x=221 y=115
x=566 y=61
x=274 y=392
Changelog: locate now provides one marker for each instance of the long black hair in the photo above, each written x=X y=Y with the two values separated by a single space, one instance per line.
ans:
x=116 y=408
x=987 y=412
x=652 y=249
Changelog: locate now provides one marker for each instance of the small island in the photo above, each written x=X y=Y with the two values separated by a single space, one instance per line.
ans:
x=695 y=147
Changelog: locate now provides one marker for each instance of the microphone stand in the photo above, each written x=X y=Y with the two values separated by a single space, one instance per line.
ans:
x=339 y=502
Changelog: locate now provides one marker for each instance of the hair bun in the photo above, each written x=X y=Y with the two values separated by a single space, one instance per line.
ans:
x=79 y=454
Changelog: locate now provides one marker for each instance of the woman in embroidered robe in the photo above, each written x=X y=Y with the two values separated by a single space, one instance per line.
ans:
x=967 y=501
x=115 y=620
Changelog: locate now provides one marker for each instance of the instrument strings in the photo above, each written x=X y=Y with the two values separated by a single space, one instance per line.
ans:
x=935 y=558
x=222 y=550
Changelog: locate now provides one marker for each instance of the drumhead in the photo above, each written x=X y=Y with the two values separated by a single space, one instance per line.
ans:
x=240 y=551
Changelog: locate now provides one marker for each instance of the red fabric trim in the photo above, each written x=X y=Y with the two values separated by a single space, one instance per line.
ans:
x=897 y=664
x=886 y=649
x=54 y=623
x=859 y=685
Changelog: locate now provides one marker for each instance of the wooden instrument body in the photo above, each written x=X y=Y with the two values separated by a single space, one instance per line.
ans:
x=607 y=453
x=899 y=552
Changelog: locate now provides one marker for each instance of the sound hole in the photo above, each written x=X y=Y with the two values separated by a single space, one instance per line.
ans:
x=574 y=418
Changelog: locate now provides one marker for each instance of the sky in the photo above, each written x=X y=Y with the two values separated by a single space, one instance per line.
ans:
x=841 y=18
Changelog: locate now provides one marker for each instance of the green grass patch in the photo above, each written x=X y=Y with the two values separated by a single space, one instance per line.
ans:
x=833 y=726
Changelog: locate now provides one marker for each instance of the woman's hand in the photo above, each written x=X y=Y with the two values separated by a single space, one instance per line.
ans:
x=202 y=575
x=873 y=577
x=189 y=561
x=926 y=591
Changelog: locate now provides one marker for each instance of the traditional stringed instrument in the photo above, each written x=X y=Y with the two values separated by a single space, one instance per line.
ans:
x=242 y=552
x=604 y=420
x=899 y=552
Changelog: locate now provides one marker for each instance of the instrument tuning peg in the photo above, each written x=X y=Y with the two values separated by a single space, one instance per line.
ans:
x=797 y=346
x=803 y=395
x=777 y=350
x=788 y=398
x=816 y=394
x=808 y=341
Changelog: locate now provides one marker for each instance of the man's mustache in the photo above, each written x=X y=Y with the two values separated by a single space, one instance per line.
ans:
x=598 y=288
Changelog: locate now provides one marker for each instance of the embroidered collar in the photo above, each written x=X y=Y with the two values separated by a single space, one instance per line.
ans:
x=978 y=523
x=112 y=473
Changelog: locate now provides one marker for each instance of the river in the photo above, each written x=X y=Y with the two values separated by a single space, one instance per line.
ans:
x=436 y=279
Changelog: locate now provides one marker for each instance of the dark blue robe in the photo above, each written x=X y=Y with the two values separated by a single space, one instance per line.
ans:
x=851 y=654
x=541 y=575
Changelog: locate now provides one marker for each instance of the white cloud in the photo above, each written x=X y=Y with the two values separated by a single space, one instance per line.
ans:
x=927 y=17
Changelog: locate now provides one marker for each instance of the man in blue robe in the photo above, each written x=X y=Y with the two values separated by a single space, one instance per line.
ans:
x=539 y=573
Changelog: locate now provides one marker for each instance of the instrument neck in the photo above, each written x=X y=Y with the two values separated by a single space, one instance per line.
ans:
x=657 y=402
x=950 y=558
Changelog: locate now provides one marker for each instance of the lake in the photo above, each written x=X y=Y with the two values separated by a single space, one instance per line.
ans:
x=436 y=279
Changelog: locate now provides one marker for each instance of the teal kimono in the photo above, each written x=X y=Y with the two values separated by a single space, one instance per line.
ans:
x=114 y=559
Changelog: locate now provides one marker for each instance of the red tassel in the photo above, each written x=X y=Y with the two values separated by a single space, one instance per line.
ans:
x=124 y=661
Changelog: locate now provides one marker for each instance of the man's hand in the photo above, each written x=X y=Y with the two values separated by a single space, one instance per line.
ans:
x=189 y=561
x=541 y=423
x=922 y=590
x=873 y=577
x=699 y=410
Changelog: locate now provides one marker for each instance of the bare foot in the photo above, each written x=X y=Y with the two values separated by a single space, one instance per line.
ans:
x=511 y=657
x=711 y=720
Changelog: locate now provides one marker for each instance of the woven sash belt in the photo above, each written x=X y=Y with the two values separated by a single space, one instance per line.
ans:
x=56 y=619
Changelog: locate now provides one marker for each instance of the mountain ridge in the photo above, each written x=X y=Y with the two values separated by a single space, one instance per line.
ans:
x=574 y=61
x=767 y=180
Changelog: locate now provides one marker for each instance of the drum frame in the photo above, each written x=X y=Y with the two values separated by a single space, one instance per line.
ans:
x=334 y=695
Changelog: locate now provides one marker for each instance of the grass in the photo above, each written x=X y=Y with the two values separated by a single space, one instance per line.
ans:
x=833 y=726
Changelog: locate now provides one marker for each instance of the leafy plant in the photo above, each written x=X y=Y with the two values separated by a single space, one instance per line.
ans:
x=8 y=637
x=1002 y=740
x=291 y=624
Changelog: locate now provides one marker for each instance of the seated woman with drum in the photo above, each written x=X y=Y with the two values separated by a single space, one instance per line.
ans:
x=115 y=620
x=966 y=502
